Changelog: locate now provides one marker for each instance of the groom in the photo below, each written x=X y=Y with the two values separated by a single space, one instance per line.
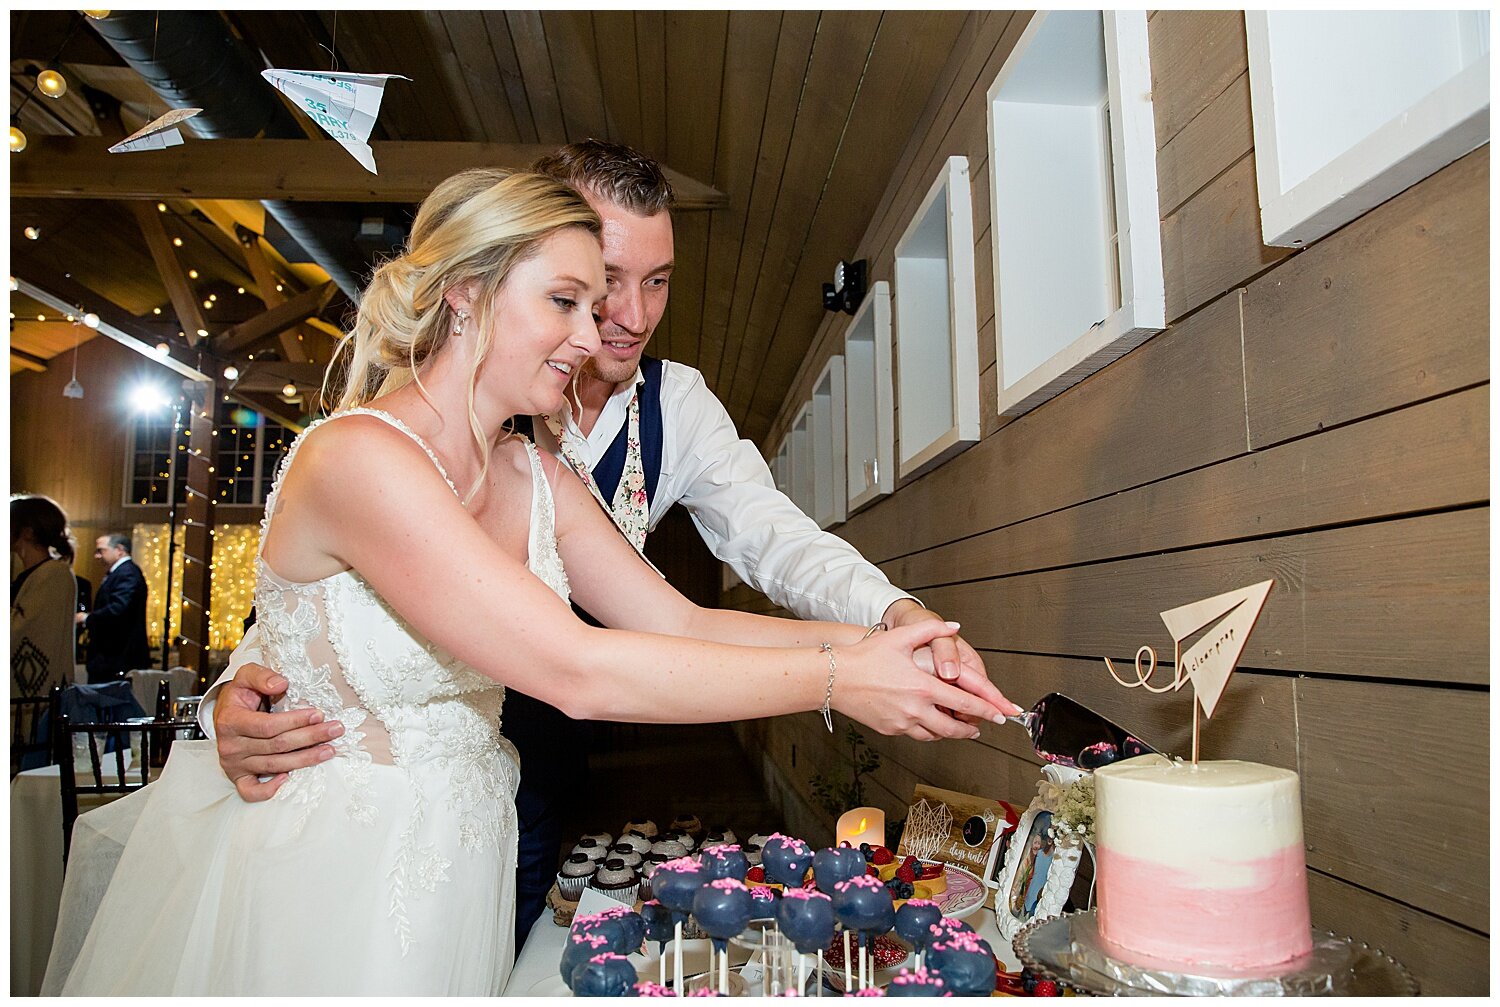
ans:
x=650 y=434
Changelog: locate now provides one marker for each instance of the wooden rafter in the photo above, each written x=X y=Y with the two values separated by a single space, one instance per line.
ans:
x=30 y=361
x=277 y=320
x=81 y=168
x=184 y=301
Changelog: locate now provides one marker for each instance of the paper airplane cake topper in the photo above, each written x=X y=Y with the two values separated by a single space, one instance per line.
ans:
x=345 y=105
x=1225 y=621
x=158 y=134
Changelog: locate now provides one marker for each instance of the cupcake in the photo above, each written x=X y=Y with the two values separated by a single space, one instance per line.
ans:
x=718 y=835
x=689 y=824
x=600 y=839
x=674 y=844
x=627 y=853
x=646 y=829
x=574 y=875
x=752 y=853
x=635 y=842
x=595 y=853
x=616 y=880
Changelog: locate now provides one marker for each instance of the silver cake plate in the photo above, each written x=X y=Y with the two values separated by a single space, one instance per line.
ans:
x=1069 y=950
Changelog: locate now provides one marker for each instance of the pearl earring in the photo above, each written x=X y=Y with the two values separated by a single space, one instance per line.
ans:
x=458 y=323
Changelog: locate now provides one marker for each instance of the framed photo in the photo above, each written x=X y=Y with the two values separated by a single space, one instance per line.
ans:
x=1037 y=874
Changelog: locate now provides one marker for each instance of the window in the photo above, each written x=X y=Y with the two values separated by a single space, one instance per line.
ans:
x=937 y=338
x=247 y=453
x=801 y=459
x=1352 y=107
x=1076 y=228
x=827 y=440
x=869 y=444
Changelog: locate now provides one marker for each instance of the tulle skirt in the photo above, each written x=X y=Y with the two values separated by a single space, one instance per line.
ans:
x=183 y=888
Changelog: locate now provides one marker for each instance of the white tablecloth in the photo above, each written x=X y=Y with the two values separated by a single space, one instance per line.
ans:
x=535 y=973
x=144 y=683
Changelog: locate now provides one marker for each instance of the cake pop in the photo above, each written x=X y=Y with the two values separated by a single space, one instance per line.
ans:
x=606 y=975
x=786 y=860
x=965 y=962
x=863 y=905
x=676 y=882
x=648 y=989
x=836 y=864
x=723 y=909
x=764 y=899
x=724 y=862
x=805 y=915
x=579 y=948
x=631 y=925
x=658 y=921
x=918 y=983
x=913 y=920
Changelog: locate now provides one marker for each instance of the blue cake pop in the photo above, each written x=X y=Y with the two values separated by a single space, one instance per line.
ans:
x=806 y=917
x=658 y=920
x=786 y=860
x=913 y=920
x=836 y=864
x=676 y=883
x=864 y=904
x=632 y=928
x=582 y=945
x=917 y=983
x=725 y=862
x=723 y=909
x=605 y=975
x=965 y=962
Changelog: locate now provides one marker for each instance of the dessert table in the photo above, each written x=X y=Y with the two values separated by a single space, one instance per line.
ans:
x=535 y=972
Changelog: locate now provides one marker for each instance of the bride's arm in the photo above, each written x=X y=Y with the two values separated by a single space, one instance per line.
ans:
x=365 y=496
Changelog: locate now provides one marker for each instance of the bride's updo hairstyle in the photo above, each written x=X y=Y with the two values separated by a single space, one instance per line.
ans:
x=473 y=228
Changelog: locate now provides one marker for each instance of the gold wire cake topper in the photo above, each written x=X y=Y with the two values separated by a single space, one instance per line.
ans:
x=1209 y=660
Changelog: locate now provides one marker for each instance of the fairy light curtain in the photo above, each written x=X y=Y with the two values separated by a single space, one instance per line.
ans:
x=232 y=586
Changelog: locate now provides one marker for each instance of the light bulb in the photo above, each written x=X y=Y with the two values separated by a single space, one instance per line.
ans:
x=52 y=84
x=192 y=274
x=208 y=304
x=177 y=242
x=231 y=373
x=17 y=140
x=33 y=232
x=161 y=207
x=97 y=15
x=163 y=351
x=289 y=390
x=15 y=284
x=91 y=320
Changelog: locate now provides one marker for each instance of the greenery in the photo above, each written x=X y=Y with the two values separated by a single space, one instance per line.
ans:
x=833 y=792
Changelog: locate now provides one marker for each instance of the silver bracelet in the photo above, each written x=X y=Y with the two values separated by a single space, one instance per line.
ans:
x=833 y=668
x=879 y=627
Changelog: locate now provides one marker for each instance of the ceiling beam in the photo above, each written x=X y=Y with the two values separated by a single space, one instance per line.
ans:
x=173 y=276
x=30 y=361
x=275 y=320
x=81 y=168
x=274 y=376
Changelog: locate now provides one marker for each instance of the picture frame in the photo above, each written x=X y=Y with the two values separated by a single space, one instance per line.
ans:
x=1038 y=871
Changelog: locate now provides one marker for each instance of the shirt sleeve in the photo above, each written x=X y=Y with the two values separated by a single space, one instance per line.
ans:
x=748 y=523
x=248 y=652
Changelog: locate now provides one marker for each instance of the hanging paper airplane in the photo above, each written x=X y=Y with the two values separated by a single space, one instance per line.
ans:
x=345 y=105
x=157 y=134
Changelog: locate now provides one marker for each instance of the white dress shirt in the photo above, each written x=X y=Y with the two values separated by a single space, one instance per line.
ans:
x=727 y=488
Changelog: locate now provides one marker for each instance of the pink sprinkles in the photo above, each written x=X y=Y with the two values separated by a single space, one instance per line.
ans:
x=920 y=977
x=682 y=865
x=963 y=941
x=863 y=881
x=608 y=956
x=803 y=893
x=727 y=885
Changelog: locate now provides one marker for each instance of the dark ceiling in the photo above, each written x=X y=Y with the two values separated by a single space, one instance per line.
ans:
x=790 y=124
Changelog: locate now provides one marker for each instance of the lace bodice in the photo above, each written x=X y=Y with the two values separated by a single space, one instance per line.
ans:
x=402 y=699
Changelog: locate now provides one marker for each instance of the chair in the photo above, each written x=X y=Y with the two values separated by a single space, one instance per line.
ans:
x=155 y=738
x=31 y=719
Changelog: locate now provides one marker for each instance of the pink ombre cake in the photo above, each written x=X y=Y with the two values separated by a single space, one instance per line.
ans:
x=1202 y=865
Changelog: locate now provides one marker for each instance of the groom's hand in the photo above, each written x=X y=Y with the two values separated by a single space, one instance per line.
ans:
x=953 y=660
x=256 y=748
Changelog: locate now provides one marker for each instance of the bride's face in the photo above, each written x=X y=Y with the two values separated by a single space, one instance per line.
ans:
x=543 y=322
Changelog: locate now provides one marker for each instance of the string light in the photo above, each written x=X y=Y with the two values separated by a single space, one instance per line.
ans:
x=52 y=84
x=289 y=390
x=97 y=15
x=231 y=373
x=163 y=351
x=192 y=274
x=17 y=139
x=231 y=590
x=32 y=231
x=91 y=320
x=177 y=242
x=161 y=207
x=207 y=305
x=239 y=290
x=156 y=311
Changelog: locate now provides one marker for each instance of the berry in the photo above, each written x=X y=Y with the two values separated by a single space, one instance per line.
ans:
x=756 y=874
x=883 y=856
x=1028 y=981
x=865 y=849
x=905 y=873
x=1045 y=988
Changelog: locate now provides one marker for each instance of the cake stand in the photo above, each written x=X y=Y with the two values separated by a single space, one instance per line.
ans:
x=1069 y=950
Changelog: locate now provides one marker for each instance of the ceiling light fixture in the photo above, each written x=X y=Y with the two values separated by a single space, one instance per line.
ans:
x=51 y=83
x=17 y=139
x=231 y=373
x=33 y=232
x=847 y=288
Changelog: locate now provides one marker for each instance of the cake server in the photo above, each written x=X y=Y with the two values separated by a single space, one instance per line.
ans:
x=1067 y=733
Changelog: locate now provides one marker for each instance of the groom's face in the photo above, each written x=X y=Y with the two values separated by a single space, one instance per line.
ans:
x=637 y=265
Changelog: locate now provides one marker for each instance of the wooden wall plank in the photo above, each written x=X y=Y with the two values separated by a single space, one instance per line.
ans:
x=575 y=68
x=530 y=38
x=1428 y=457
x=651 y=55
x=1195 y=55
x=453 y=41
x=1419 y=614
x=1412 y=755
x=1375 y=315
x=1212 y=243
x=748 y=67
x=1218 y=137
x=614 y=44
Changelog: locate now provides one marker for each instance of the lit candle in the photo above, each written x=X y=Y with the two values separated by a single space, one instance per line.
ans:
x=862 y=825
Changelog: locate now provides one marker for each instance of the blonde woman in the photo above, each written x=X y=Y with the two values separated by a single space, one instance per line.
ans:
x=413 y=564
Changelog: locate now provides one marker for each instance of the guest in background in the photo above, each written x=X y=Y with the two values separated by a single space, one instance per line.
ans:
x=117 y=625
x=42 y=596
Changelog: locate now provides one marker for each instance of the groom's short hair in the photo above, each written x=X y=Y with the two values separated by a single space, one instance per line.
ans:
x=612 y=171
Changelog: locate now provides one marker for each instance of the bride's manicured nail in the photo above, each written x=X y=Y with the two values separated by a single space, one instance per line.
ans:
x=953 y=625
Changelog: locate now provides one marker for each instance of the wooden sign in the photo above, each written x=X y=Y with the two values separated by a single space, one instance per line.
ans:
x=955 y=828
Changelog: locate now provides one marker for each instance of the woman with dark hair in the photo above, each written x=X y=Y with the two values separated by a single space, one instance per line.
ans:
x=43 y=596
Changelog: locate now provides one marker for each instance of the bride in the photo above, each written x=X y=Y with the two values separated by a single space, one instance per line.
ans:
x=415 y=559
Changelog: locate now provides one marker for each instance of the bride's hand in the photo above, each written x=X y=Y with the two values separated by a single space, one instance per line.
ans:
x=879 y=684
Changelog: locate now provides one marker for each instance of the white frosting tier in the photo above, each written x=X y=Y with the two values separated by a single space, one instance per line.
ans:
x=1172 y=812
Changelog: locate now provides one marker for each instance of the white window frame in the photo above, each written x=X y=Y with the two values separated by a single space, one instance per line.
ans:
x=802 y=461
x=830 y=505
x=1131 y=186
x=870 y=437
x=1413 y=142
x=921 y=344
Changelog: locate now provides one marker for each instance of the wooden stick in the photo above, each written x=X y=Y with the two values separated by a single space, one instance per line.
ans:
x=864 y=958
x=801 y=974
x=1195 y=730
x=724 y=971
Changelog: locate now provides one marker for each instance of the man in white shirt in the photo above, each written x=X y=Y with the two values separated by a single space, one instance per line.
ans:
x=649 y=434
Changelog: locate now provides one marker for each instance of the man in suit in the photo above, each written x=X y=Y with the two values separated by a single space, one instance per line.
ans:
x=117 y=625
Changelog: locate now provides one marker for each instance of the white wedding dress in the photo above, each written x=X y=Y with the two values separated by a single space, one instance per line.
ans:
x=388 y=869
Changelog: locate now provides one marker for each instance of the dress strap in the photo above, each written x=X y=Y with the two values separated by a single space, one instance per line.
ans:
x=286 y=461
